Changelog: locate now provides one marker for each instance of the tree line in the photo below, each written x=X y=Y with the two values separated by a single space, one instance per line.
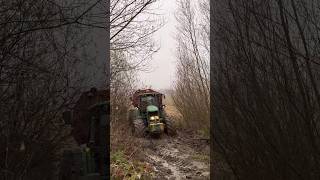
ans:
x=192 y=85
x=265 y=87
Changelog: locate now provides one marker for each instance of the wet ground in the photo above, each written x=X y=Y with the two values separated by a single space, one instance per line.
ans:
x=182 y=157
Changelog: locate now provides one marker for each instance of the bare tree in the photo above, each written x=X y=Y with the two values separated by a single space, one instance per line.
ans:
x=132 y=24
x=192 y=87
x=266 y=87
x=38 y=81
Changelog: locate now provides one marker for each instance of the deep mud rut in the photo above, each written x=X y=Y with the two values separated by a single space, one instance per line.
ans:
x=182 y=157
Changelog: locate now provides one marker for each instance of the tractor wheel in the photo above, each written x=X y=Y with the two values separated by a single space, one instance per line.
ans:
x=139 y=128
x=169 y=127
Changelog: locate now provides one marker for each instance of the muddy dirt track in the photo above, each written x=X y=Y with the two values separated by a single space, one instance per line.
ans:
x=182 y=157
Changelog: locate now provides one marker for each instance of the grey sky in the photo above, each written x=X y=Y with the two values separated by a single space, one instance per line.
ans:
x=163 y=62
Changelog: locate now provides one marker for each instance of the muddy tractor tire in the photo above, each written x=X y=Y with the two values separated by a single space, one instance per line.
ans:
x=138 y=129
x=170 y=128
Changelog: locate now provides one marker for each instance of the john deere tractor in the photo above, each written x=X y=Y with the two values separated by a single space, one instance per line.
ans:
x=148 y=114
x=88 y=159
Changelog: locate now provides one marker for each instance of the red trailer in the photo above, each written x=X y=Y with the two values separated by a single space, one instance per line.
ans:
x=140 y=92
x=82 y=112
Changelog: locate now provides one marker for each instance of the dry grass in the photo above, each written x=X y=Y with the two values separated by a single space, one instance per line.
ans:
x=172 y=111
x=127 y=158
x=170 y=107
x=121 y=139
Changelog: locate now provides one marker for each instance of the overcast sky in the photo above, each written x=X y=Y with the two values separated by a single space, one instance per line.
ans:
x=163 y=62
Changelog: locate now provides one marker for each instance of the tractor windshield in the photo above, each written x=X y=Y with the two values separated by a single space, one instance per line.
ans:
x=149 y=100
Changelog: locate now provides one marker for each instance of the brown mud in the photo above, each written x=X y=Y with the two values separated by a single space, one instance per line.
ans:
x=184 y=156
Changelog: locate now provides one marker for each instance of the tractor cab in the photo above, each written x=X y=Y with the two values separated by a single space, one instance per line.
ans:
x=148 y=100
x=149 y=107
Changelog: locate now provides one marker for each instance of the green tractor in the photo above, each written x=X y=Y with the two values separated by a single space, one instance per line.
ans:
x=89 y=119
x=148 y=115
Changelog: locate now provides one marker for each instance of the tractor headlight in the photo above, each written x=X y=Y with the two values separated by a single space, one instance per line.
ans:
x=154 y=117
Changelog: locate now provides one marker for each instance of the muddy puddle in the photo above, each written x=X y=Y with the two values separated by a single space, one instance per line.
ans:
x=178 y=157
